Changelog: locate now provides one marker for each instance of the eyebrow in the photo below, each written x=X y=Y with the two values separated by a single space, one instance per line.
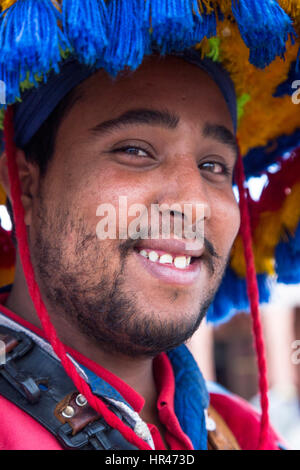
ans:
x=151 y=117
x=221 y=134
x=164 y=118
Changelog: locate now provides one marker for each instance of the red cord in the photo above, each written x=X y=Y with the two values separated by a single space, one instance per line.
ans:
x=35 y=294
x=253 y=295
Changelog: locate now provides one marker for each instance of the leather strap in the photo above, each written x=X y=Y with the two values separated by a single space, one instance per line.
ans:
x=221 y=438
x=37 y=383
x=75 y=410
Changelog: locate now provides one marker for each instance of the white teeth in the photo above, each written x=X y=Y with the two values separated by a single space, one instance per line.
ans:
x=166 y=259
x=153 y=256
x=180 y=262
x=144 y=253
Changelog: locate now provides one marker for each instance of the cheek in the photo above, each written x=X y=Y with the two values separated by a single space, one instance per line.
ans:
x=225 y=222
x=114 y=201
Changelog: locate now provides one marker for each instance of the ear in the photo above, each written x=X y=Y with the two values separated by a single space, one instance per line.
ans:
x=29 y=180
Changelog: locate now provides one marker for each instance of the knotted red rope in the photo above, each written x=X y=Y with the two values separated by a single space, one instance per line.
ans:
x=35 y=294
x=253 y=296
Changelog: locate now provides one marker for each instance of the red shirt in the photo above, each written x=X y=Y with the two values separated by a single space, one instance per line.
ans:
x=164 y=378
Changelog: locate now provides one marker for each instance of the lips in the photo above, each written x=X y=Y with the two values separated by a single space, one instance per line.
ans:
x=170 y=260
x=173 y=247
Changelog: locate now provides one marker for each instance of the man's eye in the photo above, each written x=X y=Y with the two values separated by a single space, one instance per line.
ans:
x=135 y=151
x=216 y=168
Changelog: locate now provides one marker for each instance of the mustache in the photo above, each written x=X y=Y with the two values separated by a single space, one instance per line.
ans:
x=210 y=249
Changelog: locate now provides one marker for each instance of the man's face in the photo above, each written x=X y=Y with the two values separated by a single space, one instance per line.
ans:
x=161 y=135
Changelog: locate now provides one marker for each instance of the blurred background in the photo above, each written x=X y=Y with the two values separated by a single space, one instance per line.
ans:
x=226 y=355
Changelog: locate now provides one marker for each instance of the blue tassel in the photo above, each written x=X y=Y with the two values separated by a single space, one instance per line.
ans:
x=232 y=297
x=264 y=27
x=205 y=25
x=172 y=22
x=128 y=47
x=287 y=256
x=30 y=39
x=85 y=25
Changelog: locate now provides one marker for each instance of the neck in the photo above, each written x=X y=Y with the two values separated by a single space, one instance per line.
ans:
x=136 y=372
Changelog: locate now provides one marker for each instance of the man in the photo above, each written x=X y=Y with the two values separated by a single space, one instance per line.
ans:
x=160 y=136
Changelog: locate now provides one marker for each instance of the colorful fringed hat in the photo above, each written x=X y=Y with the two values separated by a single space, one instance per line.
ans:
x=255 y=41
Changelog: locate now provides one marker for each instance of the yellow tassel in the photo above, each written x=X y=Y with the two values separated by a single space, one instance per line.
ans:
x=205 y=4
x=5 y=4
x=292 y=7
x=224 y=5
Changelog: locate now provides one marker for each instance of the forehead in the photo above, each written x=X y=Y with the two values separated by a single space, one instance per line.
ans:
x=165 y=83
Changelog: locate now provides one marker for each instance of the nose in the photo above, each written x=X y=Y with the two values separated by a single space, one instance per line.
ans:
x=184 y=195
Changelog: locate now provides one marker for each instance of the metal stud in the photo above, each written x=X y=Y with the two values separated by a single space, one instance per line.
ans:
x=68 y=412
x=81 y=400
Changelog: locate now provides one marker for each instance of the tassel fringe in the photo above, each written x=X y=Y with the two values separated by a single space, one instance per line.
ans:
x=85 y=25
x=128 y=47
x=264 y=27
x=30 y=42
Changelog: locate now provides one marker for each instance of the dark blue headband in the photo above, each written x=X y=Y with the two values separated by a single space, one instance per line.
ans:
x=38 y=103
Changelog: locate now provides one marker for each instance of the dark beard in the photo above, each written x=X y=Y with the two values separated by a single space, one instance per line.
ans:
x=104 y=311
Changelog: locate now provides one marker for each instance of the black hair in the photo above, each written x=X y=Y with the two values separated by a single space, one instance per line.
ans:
x=41 y=147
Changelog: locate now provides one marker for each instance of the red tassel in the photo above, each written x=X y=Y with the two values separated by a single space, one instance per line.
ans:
x=253 y=295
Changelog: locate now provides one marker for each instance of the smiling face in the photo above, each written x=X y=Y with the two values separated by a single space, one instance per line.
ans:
x=159 y=136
